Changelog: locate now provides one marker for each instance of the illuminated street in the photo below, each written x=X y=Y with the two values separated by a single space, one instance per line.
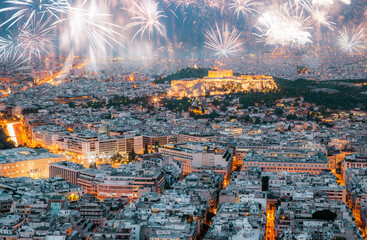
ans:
x=11 y=132
x=270 y=231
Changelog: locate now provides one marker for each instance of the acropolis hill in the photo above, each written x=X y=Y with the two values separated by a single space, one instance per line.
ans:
x=219 y=83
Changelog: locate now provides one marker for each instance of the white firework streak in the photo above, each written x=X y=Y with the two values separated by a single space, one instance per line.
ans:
x=36 y=38
x=11 y=49
x=184 y=3
x=322 y=2
x=33 y=39
x=147 y=17
x=198 y=3
x=90 y=26
x=326 y=3
x=224 y=42
x=30 y=8
x=320 y=17
x=244 y=7
x=285 y=27
x=353 y=41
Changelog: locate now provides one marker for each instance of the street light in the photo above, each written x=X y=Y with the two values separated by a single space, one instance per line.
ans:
x=155 y=101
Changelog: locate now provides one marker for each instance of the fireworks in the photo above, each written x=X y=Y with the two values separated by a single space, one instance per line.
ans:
x=327 y=3
x=284 y=27
x=36 y=39
x=92 y=26
x=95 y=27
x=322 y=2
x=184 y=3
x=319 y=16
x=147 y=17
x=10 y=49
x=224 y=42
x=244 y=7
x=31 y=40
x=352 y=41
x=198 y=3
x=322 y=19
x=30 y=8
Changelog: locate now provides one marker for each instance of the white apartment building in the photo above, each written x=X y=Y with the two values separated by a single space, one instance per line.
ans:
x=199 y=155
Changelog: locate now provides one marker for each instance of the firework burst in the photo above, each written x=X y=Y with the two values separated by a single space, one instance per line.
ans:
x=146 y=16
x=244 y=7
x=223 y=42
x=352 y=41
x=10 y=49
x=322 y=2
x=88 y=25
x=33 y=39
x=285 y=27
x=321 y=18
x=36 y=38
x=198 y=3
x=28 y=9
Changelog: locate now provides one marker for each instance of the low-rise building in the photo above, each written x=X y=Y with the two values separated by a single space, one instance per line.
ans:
x=198 y=156
x=295 y=161
x=27 y=162
x=128 y=181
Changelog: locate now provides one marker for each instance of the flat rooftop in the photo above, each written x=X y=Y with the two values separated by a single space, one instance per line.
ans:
x=316 y=158
x=24 y=154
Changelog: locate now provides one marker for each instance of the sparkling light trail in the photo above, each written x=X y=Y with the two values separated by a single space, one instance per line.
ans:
x=224 y=42
x=352 y=41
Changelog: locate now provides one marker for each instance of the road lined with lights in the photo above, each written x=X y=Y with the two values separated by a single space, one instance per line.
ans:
x=11 y=132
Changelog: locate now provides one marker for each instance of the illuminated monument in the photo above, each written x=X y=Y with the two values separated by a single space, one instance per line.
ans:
x=219 y=83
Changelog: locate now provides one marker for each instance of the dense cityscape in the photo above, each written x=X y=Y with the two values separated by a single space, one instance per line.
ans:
x=183 y=119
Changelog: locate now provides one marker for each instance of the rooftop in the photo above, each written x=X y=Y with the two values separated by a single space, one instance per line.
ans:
x=25 y=154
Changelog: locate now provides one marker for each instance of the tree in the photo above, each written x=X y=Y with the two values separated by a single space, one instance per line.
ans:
x=265 y=183
x=257 y=120
x=146 y=149
x=116 y=157
x=93 y=165
x=292 y=117
x=184 y=73
x=324 y=215
x=279 y=111
x=156 y=146
x=132 y=155
x=71 y=105
x=29 y=110
x=5 y=142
